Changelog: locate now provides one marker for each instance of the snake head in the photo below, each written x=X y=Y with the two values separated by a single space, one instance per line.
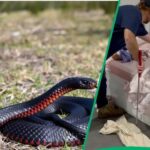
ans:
x=85 y=83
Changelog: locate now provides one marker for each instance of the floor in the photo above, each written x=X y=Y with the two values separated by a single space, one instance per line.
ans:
x=97 y=140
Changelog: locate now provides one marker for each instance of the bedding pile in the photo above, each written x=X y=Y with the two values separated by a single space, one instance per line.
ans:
x=129 y=134
x=144 y=100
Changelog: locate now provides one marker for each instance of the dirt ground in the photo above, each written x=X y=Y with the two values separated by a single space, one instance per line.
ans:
x=37 y=51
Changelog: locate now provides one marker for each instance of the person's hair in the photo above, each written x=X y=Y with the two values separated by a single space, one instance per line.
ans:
x=142 y=5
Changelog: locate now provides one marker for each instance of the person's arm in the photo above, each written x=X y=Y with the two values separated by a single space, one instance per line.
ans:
x=145 y=37
x=131 y=43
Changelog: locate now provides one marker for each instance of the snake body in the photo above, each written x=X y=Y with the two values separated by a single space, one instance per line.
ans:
x=36 y=122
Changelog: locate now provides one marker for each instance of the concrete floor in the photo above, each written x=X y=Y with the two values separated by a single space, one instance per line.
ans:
x=97 y=140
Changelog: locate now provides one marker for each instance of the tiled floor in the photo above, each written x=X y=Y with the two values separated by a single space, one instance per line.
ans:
x=97 y=140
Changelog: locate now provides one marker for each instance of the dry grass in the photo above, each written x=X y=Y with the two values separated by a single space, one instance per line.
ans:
x=36 y=51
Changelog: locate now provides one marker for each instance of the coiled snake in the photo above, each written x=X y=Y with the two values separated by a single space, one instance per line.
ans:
x=36 y=121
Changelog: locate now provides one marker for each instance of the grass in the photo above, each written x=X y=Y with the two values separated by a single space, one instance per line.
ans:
x=36 y=7
x=37 y=51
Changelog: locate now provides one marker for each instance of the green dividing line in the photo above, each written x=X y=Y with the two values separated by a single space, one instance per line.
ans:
x=100 y=77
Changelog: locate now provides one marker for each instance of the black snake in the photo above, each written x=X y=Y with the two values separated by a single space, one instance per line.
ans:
x=36 y=122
